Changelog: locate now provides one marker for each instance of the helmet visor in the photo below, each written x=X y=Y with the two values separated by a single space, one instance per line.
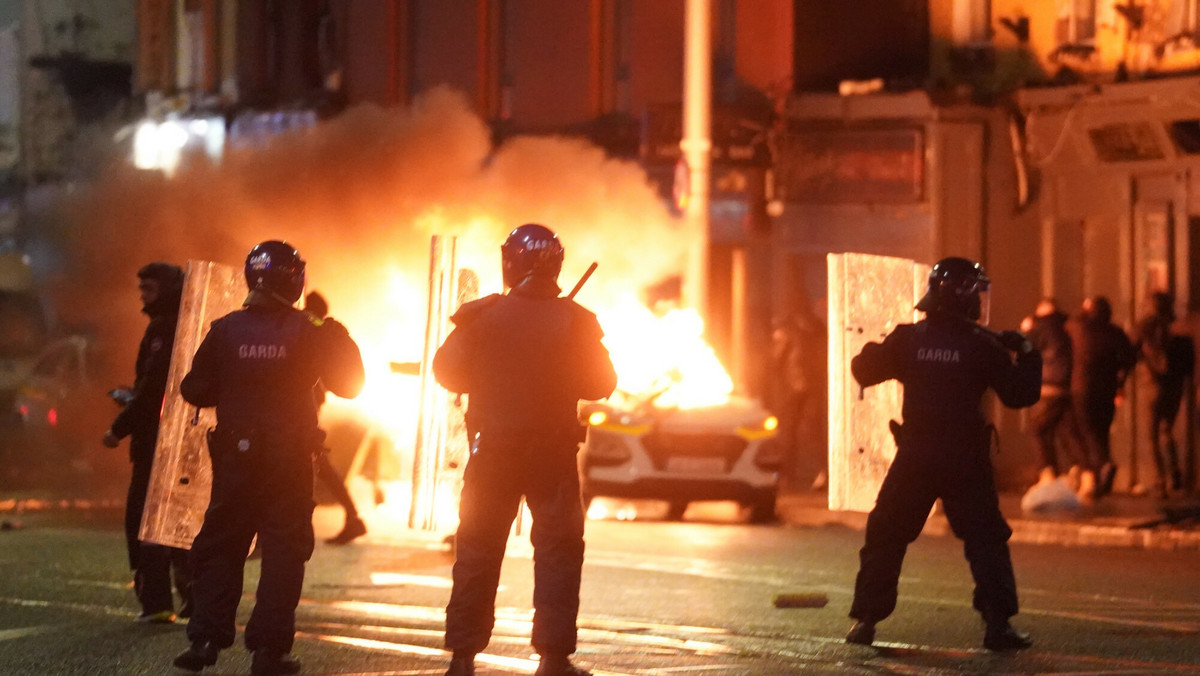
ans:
x=985 y=307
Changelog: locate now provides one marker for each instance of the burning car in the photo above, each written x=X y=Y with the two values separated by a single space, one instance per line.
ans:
x=636 y=449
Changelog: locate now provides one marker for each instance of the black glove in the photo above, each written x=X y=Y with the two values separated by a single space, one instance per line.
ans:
x=1016 y=341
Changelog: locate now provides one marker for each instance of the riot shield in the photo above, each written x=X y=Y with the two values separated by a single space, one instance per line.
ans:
x=440 y=450
x=868 y=296
x=182 y=475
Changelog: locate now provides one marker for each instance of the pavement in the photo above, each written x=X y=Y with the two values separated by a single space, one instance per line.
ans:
x=1118 y=520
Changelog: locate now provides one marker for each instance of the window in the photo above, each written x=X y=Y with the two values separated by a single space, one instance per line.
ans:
x=1076 y=21
x=972 y=22
x=1186 y=135
x=1125 y=142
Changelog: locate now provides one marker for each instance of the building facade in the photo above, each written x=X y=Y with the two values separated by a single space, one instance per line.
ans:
x=1053 y=141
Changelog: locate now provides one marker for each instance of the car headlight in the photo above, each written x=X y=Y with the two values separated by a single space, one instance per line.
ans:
x=764 y=429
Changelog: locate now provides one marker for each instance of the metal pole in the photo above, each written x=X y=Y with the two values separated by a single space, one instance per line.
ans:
x=696 y=146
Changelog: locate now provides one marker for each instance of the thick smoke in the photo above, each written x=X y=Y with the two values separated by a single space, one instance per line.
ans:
x=359 y=196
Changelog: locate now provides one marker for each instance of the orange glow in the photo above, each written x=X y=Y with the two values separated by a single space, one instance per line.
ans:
x=664 y=355
x=660 y=357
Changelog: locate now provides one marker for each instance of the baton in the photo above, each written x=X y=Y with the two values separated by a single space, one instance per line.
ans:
x=582 y=280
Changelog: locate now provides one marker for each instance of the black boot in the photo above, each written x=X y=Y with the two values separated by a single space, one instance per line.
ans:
x=558 y=665
x=354 y=528
x=862 y=633
x=268 y=662
x=462 y=664
x=201 y=654
x=1002 y=636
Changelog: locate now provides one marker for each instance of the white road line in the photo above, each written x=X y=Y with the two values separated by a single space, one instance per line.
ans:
x=21 y=632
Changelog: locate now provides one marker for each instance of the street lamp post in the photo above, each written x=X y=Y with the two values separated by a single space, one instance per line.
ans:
x=696 y=145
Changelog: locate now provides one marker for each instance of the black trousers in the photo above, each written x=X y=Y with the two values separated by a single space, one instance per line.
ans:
x=495 y=479
x=1095 y=415
x=152 y=564
x=267 y=492
x=1054 y=423
x=1165 y=402
x=962 y=477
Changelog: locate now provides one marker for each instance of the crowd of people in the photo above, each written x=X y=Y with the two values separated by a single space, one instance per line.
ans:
x=1088 y=361
x=266 y=369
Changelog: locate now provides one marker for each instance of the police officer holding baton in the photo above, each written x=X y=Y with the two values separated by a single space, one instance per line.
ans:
x=525 y=359
x=258 y=366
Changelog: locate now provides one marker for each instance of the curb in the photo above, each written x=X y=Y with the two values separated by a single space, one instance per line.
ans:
x=1103 y=532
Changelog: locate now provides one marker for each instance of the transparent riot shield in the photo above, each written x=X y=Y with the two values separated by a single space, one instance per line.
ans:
x=868 y=296
x=441 y=449
x=182 y=474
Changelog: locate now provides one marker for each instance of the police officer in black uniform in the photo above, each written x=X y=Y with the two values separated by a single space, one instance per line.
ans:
x=946 y=362
x=160 y=286
x=258 y=366
x=524 y=359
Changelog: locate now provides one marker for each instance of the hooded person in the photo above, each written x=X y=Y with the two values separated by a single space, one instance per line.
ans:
x=160 y=286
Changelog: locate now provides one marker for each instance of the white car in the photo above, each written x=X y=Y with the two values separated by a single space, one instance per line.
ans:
x=725 y=452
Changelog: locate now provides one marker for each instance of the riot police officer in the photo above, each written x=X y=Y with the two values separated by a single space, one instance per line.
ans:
x=946 y=362
x=524 y=359
x=258 y=366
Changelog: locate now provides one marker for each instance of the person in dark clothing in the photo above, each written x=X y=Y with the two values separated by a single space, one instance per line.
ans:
x=258 y=366
x=795 y=380
x=525 y=359
x=1170 y=358
x=160 y=286
x=945 y=362
x=1103 y=359
x=353 y=526
x=1053 y=416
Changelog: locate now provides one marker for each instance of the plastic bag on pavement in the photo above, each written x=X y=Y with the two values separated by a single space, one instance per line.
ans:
x=1049 y=497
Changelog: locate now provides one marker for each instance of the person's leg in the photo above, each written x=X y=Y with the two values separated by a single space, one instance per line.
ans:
x=488 y=504
x=1164 y=410
x=285 y=537
x=218 y=554
x=973 y=511
x=152 y=582
x=354 y=527
x=182 y=568
x=135 y=504
x=558 y=547
x=329 y=477
x=903 y=505
x=1046 y=415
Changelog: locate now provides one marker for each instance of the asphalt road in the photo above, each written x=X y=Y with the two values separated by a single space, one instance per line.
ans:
x=691 y=598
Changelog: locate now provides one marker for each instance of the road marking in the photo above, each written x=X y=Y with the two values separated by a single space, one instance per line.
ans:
x=21 y=632
x=391 y=579
x=32 y=603
x=515 y=663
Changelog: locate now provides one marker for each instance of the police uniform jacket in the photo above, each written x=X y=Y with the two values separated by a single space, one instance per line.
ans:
x=946 y=364
x=258 y=366
x=139 y=417
x=525 y=359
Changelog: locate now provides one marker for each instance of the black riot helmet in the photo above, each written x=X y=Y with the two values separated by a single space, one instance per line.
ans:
x=957 y=287
x=275 y=267
x=531 y=250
